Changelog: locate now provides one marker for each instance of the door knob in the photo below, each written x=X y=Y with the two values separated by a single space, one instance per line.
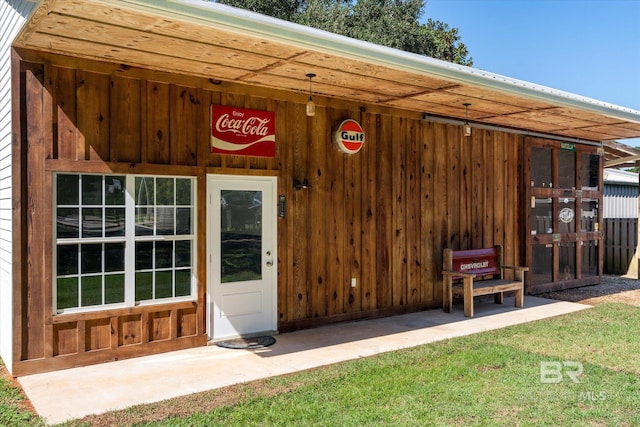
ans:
x=269 y=263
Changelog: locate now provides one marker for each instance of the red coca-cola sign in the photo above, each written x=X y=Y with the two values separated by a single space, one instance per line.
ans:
x=242 y=132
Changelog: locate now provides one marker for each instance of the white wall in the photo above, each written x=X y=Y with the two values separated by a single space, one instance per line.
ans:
x=13 y=14
x=620 y=195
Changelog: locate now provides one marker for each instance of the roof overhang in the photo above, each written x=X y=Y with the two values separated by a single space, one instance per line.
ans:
x=204 y=39
x=620 y=156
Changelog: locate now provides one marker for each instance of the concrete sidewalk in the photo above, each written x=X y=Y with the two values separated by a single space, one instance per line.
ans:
x=73 y=393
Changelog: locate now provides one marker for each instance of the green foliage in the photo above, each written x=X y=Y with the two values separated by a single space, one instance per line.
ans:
x=485 y=379
x=11 y=413
x=393 y=23
x=282 y=9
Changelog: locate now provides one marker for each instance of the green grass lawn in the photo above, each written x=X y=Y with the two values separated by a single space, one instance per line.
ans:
x=12 y=411
x=492 y=378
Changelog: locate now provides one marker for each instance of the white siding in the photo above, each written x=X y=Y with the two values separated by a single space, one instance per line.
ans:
x=620 y=194
x=620 y=201
x=13 y=14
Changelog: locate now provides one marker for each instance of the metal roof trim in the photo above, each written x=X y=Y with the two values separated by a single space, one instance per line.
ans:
x=246 y=22
x=617 y=175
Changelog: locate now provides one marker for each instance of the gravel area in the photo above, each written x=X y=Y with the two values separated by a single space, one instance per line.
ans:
x=611 y=289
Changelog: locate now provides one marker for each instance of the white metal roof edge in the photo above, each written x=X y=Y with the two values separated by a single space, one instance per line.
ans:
x=246 y=22
x=621 y=177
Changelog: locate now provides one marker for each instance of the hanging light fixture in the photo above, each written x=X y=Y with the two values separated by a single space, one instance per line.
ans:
x=311 y=107
x=467 y=127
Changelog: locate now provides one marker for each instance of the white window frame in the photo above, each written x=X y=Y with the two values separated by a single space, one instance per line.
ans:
x=130 y=240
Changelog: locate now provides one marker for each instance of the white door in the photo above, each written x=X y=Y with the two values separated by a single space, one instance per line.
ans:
x=242 y=278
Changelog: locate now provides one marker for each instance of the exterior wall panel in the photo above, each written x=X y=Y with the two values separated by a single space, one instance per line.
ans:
x=13 y=14
x=381 y=217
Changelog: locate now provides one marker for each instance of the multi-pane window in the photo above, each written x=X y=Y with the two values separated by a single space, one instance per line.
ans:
x=122 y=240
x=163 y=224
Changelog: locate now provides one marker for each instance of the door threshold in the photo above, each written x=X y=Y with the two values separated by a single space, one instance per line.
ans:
x=214 y=341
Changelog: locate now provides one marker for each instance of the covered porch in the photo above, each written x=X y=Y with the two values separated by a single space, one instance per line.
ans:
x=124 y=90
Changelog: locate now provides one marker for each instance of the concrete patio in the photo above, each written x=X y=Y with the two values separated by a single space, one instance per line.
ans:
x=74 y=393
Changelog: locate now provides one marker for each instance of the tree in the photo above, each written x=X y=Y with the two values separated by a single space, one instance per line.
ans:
x=393 y=23
x=282 y=9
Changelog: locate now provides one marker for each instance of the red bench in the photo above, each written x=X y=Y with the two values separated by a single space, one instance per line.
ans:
x=474 y=272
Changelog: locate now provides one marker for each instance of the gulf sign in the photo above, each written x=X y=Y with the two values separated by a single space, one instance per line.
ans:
x=242 y=132
x=349 y=137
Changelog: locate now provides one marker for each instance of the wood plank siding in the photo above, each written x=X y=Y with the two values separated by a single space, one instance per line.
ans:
x=13 y=14
x=381 y=217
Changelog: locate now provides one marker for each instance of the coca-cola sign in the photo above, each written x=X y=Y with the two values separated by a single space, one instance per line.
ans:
x=242 y=132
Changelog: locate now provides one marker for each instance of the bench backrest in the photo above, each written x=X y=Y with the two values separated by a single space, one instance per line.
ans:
x=482 y=262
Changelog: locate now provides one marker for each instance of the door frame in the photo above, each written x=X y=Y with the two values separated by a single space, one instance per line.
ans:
x=213 y=215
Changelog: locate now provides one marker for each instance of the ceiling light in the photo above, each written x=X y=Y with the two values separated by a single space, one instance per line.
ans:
x=467 y=127
x=311 y=107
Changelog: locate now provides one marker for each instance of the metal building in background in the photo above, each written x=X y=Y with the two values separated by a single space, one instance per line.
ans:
x=620 y=194
x=620 y=217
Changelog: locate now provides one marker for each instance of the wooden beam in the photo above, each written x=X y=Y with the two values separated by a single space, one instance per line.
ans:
x=621 y=161
x=18 y=170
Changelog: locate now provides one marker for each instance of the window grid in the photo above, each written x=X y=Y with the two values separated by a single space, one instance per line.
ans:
x=88 y=283
x=160 y=198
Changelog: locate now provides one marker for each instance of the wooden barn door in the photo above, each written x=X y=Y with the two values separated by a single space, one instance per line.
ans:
x=242 y=255
x=565 y=243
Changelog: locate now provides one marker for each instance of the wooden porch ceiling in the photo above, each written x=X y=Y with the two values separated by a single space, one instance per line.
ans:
x=138 y=34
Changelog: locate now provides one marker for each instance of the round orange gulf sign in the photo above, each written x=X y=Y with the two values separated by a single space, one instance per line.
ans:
x=349 y=137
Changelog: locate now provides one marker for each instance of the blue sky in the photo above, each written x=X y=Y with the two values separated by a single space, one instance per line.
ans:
x=586 y=47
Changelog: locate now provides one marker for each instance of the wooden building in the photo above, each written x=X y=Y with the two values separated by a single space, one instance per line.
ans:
x=139 y=227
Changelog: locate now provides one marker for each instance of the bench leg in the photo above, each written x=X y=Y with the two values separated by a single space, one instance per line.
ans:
x=468 y=297
x=447 y=296
x=519 y=297
x=498 y=297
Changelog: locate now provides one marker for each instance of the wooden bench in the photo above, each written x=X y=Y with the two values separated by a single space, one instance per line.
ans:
x=474 y=272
